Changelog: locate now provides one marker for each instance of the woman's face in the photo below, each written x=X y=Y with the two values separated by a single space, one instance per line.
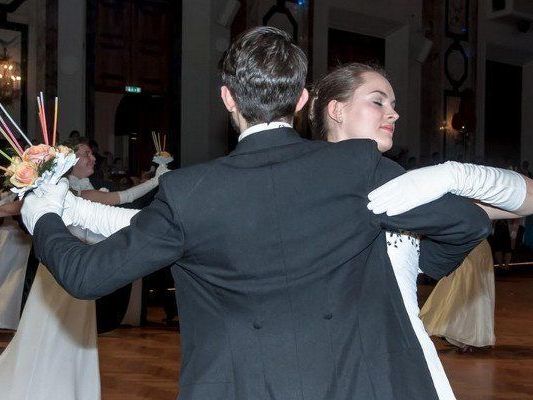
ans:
x=85 y=165
x=369 y=114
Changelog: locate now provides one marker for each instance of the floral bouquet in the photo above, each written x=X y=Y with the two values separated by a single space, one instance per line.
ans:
x=161 y=157
x=38 y=164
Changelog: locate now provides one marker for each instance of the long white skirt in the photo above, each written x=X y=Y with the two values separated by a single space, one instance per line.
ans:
x=461 y=307
x=403 y=253
x=53 y=354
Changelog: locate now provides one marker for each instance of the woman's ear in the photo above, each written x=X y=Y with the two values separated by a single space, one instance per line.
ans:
x=335 y=109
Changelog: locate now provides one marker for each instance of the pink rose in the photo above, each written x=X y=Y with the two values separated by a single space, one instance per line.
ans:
x=39 y=154
x=24 y=174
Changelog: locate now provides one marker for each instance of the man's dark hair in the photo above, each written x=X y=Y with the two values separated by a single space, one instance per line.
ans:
x=265 y=73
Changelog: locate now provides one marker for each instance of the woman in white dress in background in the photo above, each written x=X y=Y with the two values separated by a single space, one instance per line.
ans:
x=357 y=102
x=54 y=354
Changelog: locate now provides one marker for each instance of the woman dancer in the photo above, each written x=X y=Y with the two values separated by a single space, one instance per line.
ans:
x=461 y=307
x=357 y=102
x=53 y=354
x=84 y=168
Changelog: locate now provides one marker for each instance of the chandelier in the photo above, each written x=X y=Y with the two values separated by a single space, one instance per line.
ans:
x=10 y=78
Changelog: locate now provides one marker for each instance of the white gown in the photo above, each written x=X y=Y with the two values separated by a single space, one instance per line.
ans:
x=54 y=353
x=403 y=252
x=461 y=307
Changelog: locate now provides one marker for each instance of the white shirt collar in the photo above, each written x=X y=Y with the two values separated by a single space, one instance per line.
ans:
x=79 y=184
x=263 y=127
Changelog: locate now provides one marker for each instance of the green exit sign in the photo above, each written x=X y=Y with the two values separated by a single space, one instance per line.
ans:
x=133 y=89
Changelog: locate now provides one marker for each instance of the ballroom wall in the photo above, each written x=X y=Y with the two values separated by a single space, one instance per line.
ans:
x=500 y=40
x=527 y=112
x=204 y=123
x=32 y=13
x=71 y=61
x=397 y=26
x=71 y=65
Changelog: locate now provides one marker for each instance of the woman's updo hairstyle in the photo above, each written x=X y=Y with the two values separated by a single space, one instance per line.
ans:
x=338 y=85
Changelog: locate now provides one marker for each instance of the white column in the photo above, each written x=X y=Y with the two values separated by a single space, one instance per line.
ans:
x=527 y=113
x=71 y=66
x=203 y=116
x=397 y=66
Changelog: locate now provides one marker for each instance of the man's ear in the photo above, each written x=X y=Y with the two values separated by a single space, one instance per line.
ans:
x=227 y=98
x=302 y=100
x=335 y=111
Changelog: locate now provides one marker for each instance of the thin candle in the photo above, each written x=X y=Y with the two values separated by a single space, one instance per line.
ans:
x=15 y=124
x=42 y=120
x=54 y=132
x=45 y=133
x=44 y=117
x=6 y=156
x=13 y=139
x=10 y=142
x=164 y=142
x=156 y=144
x=39 y=112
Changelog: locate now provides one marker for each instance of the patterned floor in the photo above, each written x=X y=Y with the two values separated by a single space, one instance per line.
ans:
x=142 y=363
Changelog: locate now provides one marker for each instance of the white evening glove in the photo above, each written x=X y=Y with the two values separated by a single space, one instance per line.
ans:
x=501 y=188
x=35 y=207
x=131 y=194
x=98 y=218
x=160 y=170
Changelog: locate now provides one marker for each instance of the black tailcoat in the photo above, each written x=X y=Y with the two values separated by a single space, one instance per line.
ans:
x=284 y=285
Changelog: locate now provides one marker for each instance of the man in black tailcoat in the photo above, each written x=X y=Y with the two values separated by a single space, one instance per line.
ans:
x=284 y=285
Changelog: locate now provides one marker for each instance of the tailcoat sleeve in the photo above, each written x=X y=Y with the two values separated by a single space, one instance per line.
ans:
x=450 y=226
x=154 y=239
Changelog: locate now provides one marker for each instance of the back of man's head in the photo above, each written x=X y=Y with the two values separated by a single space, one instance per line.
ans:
x=265 y=73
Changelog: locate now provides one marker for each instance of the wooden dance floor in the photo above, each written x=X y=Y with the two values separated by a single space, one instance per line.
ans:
x=142 y=363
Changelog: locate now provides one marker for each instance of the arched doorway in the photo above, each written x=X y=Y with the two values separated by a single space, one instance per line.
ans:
x=137 y=116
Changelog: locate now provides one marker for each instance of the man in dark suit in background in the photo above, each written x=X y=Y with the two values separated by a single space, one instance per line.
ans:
x=284 y=285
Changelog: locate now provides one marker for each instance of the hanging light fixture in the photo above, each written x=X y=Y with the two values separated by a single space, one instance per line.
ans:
x=10 y=78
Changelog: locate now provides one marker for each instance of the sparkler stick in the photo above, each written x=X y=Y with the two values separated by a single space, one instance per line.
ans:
x=54 y=133
x=13 y=145
x=41 y=120
x=6 y=156
x=156 y=143
x=43 y=111
x=15 y=124
x=13 y=139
